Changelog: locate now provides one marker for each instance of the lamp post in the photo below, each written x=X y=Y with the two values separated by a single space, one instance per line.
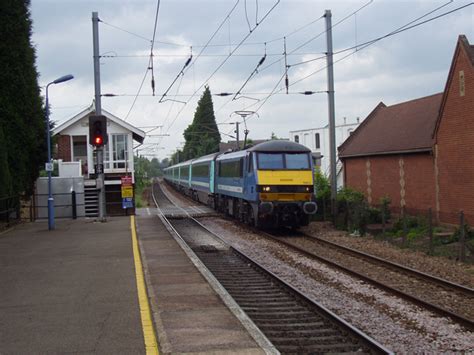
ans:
x=48 y=140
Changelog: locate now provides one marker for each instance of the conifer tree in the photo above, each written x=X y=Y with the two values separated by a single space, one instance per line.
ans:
x=202 y=135
x=21 y=112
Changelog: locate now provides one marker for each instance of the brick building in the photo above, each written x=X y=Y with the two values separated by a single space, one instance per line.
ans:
x=419 y=152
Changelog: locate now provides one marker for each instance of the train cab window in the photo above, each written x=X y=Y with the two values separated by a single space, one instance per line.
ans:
x=270 y=161
x=298 y=161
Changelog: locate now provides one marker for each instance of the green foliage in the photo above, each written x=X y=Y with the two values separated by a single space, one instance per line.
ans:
x=202 y=135
x=274 y=136
x=322 y=187
x=5 y=177
x=348 y=195
x=21 y=111
x=468 y=233
x=351 y=203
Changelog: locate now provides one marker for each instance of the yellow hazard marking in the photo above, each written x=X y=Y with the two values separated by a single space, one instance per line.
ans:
x=149 y=336
x=285 y=177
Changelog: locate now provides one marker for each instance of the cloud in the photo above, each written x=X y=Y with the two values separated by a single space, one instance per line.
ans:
x=409 y=65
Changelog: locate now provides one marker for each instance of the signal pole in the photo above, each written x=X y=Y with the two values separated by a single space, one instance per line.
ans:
x=332 y=115
x=99 y=169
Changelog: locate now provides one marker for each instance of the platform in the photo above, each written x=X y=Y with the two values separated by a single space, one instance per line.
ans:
x=70 y=290
x=190 y=317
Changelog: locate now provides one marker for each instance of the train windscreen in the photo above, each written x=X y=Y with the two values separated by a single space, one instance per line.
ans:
x=278 y=161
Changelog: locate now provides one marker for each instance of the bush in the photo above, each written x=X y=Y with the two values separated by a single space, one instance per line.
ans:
x=468 y=233
x=322 y=188
x=352 y=204
x=374 y=215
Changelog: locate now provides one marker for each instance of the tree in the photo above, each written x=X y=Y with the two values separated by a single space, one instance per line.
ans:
x=202 y=136
x=22 y=115
x=5 y=177
x=273 y=136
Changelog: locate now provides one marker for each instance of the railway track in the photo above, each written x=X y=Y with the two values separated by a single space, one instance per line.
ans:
x=291 y=321
x=441 y=296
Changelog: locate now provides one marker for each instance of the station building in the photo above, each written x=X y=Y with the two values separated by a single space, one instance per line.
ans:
x=419 y=152
x=77 y=158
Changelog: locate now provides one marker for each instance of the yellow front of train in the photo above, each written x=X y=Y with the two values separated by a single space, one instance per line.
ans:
x=284 y=180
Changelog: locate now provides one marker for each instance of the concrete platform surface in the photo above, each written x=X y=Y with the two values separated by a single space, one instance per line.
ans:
x=71 y=290
x=190 y=317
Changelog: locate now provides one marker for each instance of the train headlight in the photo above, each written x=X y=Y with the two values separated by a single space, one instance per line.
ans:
x=266 y=188
x=307 y=189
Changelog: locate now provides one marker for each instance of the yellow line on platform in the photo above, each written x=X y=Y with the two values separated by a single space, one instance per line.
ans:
x=151 y=345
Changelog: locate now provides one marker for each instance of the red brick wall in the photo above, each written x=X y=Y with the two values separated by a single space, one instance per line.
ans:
x=420 y=182
x=455 y=140
x=64 y=148
x=418 y=176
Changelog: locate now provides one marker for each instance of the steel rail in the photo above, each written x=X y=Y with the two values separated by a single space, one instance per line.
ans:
x=441 y=311
x=442 y=282
x=366 y=340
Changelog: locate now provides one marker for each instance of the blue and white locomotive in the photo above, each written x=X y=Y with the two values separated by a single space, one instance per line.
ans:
x=268 y=185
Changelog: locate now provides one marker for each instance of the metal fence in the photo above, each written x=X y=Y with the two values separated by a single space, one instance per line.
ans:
x=66 y=205
x=9 y=209
x=415 y=229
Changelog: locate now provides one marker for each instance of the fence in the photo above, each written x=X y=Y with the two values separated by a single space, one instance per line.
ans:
x=9 y=209
x=406 y=228
x=66 y=205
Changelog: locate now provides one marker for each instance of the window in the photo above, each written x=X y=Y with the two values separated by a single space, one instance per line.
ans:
x=317 y=141
x=297 y=139
x=298 y=161
x=279 y=161
x=231 y=168
x=184 y=171
x=119 y=146
x=270 y=161
x=201 y=170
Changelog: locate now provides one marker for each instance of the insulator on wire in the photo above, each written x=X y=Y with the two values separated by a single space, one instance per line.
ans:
x=153 y=85
x=286 y=84
x=188 y=61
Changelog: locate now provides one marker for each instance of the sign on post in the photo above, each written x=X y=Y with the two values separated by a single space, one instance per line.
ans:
x=127 y=192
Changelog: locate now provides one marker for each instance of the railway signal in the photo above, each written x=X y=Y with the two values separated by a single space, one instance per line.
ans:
x=98 y=130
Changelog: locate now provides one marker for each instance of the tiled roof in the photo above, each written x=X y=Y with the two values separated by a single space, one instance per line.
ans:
x=404 y=127
x=469 y=48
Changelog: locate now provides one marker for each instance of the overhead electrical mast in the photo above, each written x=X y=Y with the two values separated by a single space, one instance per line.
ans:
x=99 y=167
x=332 y=115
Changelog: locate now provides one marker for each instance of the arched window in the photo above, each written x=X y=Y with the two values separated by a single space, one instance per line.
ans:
x=297 y=139
x=317 y=141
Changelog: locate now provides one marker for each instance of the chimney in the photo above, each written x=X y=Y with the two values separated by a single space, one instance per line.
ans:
x=358 y=119
x=345 y=119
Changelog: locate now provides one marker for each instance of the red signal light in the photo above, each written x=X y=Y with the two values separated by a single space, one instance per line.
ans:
x=98 y=140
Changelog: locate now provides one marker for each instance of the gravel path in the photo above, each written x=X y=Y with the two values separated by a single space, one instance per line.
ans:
x=395 y=323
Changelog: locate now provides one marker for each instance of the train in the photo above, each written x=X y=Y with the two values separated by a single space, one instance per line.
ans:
x=267 y=185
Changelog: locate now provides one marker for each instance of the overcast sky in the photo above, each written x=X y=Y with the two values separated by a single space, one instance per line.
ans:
x=402 y=67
